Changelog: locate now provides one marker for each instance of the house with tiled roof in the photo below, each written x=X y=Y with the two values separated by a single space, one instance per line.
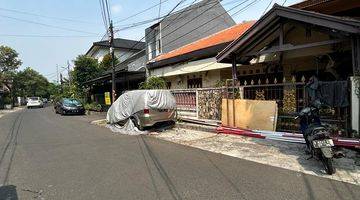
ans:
x=123 y=48
x=175 y=30
x=129 y=72
x=301 y=47
x=194 y=65
x=185 y=26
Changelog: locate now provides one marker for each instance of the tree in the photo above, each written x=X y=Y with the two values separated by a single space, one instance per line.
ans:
x=9 y=60
x=29 y=82
x=86 y=68
x=106 y=62
x=153 y=83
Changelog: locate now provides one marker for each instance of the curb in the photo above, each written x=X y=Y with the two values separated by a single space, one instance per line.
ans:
x=196 y=127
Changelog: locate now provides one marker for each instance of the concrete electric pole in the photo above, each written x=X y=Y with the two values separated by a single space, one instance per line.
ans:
x=57 y=74
x=113 y=84
x=68 y=68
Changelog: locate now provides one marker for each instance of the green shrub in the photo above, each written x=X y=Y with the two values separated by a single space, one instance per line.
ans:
x=153 y=83
x=93 y=107
x=7 y=100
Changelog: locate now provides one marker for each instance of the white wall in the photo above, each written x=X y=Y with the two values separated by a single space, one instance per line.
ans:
x=202 y=65
x=121 y=54
x=209 y=79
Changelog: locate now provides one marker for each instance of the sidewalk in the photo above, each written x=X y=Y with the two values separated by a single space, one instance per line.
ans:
x=279 y=154
x=6 y=111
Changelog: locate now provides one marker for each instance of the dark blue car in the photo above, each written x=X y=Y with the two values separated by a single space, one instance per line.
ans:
x=69 y=106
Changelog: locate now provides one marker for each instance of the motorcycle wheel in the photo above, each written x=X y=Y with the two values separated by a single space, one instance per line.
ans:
x=329 y=168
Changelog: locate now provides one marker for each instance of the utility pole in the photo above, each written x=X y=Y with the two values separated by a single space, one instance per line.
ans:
x=113 y=84
x=61 y=79
x=68 y=68
x=57 y=74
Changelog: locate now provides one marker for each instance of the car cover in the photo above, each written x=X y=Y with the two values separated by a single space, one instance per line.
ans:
x=134 y=101
x=128 y=128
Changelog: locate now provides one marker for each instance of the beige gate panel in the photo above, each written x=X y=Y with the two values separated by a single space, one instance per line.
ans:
x=250 y=114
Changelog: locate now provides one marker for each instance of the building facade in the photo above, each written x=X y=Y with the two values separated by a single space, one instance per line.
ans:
x=129 y=72
x=186 y=26
x=194 y=65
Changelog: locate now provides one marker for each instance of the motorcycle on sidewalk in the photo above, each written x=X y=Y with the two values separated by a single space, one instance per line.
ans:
x=317 y=136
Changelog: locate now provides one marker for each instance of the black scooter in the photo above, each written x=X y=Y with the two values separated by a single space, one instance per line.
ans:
x=317 y=136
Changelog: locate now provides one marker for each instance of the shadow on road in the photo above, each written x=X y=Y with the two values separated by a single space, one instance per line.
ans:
x=8 y=192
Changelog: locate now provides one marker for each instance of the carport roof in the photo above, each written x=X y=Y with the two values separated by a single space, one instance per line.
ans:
x=272 y=17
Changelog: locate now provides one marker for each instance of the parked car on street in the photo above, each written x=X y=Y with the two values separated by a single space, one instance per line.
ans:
x=144 y=107
x=69 y=106
x=34 y=102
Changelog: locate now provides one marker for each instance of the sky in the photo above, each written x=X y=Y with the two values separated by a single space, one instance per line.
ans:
x=48 y=33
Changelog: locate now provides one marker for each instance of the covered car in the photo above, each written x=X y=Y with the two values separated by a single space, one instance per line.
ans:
x=143 y=107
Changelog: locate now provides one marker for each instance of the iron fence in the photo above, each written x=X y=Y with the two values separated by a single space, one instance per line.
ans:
x=290 y=97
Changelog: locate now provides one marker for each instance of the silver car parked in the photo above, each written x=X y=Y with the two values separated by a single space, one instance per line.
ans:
x=144 y=107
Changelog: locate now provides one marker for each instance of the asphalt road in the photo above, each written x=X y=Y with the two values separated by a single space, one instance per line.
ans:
x=48 y=156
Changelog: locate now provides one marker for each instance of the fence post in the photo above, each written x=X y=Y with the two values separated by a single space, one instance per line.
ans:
x=355 y=104
x=241 y=92
x=197 y=103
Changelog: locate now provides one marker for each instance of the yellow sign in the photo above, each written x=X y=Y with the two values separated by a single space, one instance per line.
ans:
x=107 y=98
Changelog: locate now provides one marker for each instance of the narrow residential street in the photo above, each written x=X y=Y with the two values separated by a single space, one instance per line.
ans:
x=48 y=156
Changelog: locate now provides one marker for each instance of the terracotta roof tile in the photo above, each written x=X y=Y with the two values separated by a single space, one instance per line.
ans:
x=226 y=35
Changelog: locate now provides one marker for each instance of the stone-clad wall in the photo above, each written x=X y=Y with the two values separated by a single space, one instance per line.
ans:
x=209 y=103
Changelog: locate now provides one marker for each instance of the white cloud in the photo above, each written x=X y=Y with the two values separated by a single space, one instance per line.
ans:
x=116 y=8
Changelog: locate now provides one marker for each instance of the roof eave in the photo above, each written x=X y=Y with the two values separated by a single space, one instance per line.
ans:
x=194 y=55
x=351 y=26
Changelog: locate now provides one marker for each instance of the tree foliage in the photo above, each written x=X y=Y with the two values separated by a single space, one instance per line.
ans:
x=153 y=83
x=9 y=60
x=106 y=62
x=9 y=63
x=29 y=82
x=86 y=68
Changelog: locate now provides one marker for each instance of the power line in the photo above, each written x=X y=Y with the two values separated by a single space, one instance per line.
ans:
x=248 y=5
x=51 y=74
x=226 y=11
x=47 y=17
x=103 y=14
x=48 y=36
x=169 y=24
x=159 y=9
x=47 y=25
x=267 y=7
x=251 y=3
x=107 y=10
x=123 y=27
x=139 y=23
x=55 y=74
x=140 y=12
x=180 y=2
